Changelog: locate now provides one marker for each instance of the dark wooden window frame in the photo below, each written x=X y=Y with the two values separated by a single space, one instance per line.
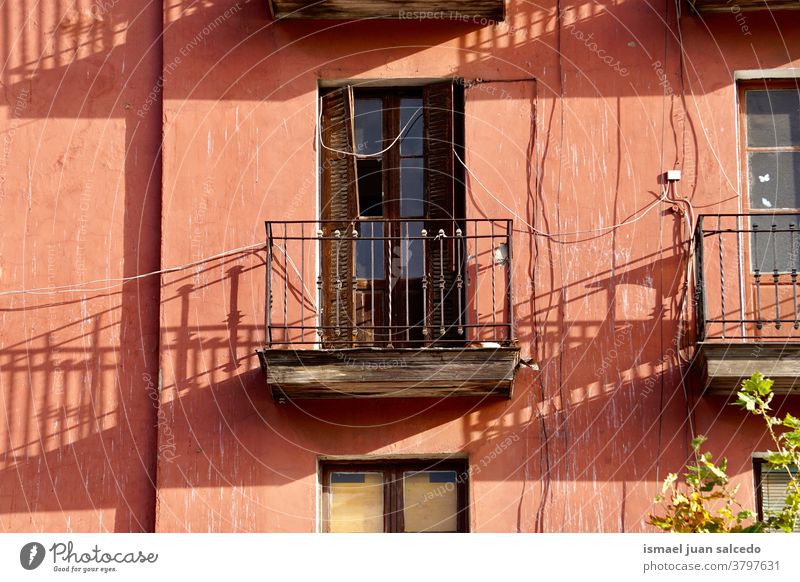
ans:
x=391 y=98
x=758 y=474
x=434 y=168
x=393 y=470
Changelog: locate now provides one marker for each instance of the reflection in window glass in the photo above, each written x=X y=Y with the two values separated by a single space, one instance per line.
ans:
x=430 y=501
x=411 y=116
x=411 y=249
x=369 y=250
x=773 y=118
x=369 y=126
x=356 y=502
x=412 y=185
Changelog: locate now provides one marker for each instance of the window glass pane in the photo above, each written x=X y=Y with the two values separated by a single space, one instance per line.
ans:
x=430 y=501
x=369 y=250
x=369 y=125
x=773 y=118
x=412 y=184
x=411 y=249
x=356 y=502
x=370 y=187
x=774 y=180
x=411 y=116
x=777 y=250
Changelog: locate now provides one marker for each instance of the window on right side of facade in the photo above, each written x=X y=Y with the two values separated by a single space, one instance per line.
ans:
x=771 y=145
x=771 y=486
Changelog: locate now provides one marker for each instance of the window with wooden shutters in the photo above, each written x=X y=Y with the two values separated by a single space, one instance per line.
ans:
x=392 y=199
x=771 y=486
x=338 y=211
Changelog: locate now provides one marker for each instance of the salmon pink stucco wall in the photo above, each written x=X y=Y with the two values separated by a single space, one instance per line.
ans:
x=79 y=201
x=573 y=111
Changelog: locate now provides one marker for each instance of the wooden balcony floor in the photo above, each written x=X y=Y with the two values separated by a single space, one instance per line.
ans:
x=722 y=366
x=389 y=373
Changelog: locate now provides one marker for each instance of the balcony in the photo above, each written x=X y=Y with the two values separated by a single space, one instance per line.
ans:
x=483 y=12
x=746 y=297
x=735 y=6
x=389 y=308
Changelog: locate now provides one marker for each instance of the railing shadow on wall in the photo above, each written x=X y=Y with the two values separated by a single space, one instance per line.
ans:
x=222 y=392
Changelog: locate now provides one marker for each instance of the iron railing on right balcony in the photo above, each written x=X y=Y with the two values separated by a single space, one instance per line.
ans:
x=375 y=282
x=746 y=276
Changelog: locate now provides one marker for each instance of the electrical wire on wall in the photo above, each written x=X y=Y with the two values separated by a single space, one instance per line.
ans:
x=82 y=287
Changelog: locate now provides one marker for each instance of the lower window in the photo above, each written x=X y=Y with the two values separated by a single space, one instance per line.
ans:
x=410 y=496
x=771 y=486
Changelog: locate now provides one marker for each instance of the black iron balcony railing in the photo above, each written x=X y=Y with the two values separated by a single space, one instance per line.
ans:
x=746 y=275
x=389 y=283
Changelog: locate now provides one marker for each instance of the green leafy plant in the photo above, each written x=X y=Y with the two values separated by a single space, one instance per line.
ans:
x=705 y=501
x=755 y=397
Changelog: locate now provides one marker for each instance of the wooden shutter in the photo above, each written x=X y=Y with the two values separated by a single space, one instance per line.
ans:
x=339 y=203
x=441 y=188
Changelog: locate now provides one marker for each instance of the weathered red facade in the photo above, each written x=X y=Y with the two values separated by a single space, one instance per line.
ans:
x=136 y=138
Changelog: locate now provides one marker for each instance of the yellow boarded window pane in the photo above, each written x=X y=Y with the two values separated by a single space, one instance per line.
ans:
x=430 y=501
x=356 y=502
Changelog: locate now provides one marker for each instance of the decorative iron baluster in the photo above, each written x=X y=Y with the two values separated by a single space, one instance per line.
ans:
x=372 y=281
x=476 y=333
x=320 y=236
x=722 y=272
x=441 y=281
x=775 y=275
x=353 y=317
x=425 y=275
x=268 y=282
x=388 y=235
x=302 y=282
x=510 y=272
x=404 y=253
x=794 y=256
x=459 y=243
x=757 y=276
x=286 y=260
x=493 y=257
x=338 y=236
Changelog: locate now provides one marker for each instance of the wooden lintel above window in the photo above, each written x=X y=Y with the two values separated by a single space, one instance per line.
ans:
x=389 y=373
x=480 y=12
x=722 y=366
x=742 y=5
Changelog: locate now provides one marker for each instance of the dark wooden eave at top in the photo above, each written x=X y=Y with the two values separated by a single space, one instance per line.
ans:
x=722 y=366
x=389 y=373
x=481 y=12
x=742 y=5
